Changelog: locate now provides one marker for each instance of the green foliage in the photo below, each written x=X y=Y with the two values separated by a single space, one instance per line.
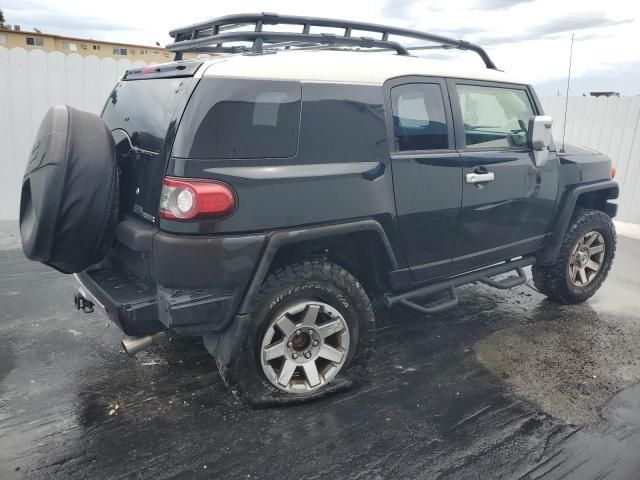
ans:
x=2 y=20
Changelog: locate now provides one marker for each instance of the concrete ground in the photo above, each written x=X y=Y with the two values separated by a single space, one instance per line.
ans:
x=507 y=385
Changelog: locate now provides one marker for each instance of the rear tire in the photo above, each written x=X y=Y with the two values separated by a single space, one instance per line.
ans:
x=584 y=260
x=313 y=309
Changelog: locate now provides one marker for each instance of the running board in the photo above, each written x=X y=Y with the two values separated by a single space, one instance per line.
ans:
x=435 y=307
x=506 y=283
x=484 y=275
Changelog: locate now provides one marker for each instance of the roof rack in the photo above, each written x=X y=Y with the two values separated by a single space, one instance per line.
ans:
x=211 y=36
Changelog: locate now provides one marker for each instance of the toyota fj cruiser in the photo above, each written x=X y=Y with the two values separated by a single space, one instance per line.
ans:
x=262 y=195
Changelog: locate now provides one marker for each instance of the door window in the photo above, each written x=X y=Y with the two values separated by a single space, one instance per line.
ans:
x=494 y=117
x=419 y=119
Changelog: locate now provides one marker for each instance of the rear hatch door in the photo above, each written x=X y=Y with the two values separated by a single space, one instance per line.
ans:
x=142 y=113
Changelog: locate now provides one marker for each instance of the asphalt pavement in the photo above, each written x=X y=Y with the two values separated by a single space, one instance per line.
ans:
x=506 y=385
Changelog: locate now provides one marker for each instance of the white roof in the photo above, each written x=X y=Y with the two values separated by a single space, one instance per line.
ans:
x=341 y=67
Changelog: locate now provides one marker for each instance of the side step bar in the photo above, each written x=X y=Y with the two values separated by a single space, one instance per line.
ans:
x=484 y=275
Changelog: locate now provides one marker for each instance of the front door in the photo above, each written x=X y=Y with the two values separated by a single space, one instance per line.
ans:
x=507 y=202
x=426 y=173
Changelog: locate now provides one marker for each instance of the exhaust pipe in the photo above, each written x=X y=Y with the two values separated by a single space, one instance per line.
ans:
x=133 y=345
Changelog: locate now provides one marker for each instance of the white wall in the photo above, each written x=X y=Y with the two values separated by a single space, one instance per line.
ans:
x=611 y=126
x=31 y=82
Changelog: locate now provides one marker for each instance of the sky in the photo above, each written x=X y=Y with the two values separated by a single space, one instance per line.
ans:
x=527 y=38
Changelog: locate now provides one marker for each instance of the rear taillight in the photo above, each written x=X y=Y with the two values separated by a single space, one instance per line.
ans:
x=185 y=199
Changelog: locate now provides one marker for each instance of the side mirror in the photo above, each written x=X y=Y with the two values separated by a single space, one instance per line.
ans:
x=540 y=138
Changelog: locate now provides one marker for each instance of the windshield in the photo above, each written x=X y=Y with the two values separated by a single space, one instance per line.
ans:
x=144 y=109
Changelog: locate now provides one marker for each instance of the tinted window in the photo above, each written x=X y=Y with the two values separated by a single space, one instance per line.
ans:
x=342 y=123
x=494 y=117
x=240 y=119
x=144 y=109
x=419 y=120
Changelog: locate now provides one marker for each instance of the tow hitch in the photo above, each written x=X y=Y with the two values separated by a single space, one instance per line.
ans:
x=82 y=303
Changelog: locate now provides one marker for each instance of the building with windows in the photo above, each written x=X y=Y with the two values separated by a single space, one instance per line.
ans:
x=14 y=37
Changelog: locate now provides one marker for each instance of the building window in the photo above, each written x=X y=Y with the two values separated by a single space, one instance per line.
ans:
x=35 y=41
x=96 y=47
x=3 y=39
x=69 y=47
x=156 y=52
x=120 y=51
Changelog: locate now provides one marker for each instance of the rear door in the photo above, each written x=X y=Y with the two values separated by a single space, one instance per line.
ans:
x=142 y=114
x=507 y=202
x=426 y=173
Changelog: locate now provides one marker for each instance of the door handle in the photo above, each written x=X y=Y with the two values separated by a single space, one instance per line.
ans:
x=480 y=177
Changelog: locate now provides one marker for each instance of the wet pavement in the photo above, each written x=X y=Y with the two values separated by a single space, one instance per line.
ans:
x=448 y=395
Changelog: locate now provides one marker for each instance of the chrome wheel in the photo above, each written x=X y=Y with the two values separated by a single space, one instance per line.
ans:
x=586 y=259
x=304 y=347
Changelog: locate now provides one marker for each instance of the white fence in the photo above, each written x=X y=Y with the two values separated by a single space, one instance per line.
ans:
x=609 y=125
x=31 y=82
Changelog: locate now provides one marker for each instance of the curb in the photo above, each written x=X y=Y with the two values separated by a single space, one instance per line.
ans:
x=624 y=229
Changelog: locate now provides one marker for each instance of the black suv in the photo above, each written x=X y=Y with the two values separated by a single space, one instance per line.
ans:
x=262 y=196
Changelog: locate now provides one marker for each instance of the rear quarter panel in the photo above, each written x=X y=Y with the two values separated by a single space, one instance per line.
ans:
x=341 y=170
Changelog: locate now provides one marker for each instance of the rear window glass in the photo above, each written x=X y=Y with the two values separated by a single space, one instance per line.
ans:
x=144 y=109
x=240 y=119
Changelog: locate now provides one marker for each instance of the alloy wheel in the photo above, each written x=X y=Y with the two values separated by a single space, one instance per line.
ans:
x=586 y=259
x=304 y=347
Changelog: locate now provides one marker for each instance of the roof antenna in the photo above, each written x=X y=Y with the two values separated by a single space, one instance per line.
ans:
x=566 y=104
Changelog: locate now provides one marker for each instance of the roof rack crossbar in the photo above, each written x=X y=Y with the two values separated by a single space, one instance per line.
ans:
x=196 y=37
x=278 y=37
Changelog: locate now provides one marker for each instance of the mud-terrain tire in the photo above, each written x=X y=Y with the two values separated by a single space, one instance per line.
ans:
x=312 y=287
x=69 y=198
x=591 y=237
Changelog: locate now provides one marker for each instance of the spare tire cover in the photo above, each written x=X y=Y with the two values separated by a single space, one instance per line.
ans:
x=69 y=200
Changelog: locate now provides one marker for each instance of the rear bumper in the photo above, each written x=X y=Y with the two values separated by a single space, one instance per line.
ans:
x=129 y=303
x=189 y=284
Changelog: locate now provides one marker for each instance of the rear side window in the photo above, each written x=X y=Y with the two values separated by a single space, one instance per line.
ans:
x=240 y=119
x=419 y=119
x=494 y=117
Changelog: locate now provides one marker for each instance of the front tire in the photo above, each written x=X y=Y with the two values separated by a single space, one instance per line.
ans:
x=311 y=333
x=584 y=260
